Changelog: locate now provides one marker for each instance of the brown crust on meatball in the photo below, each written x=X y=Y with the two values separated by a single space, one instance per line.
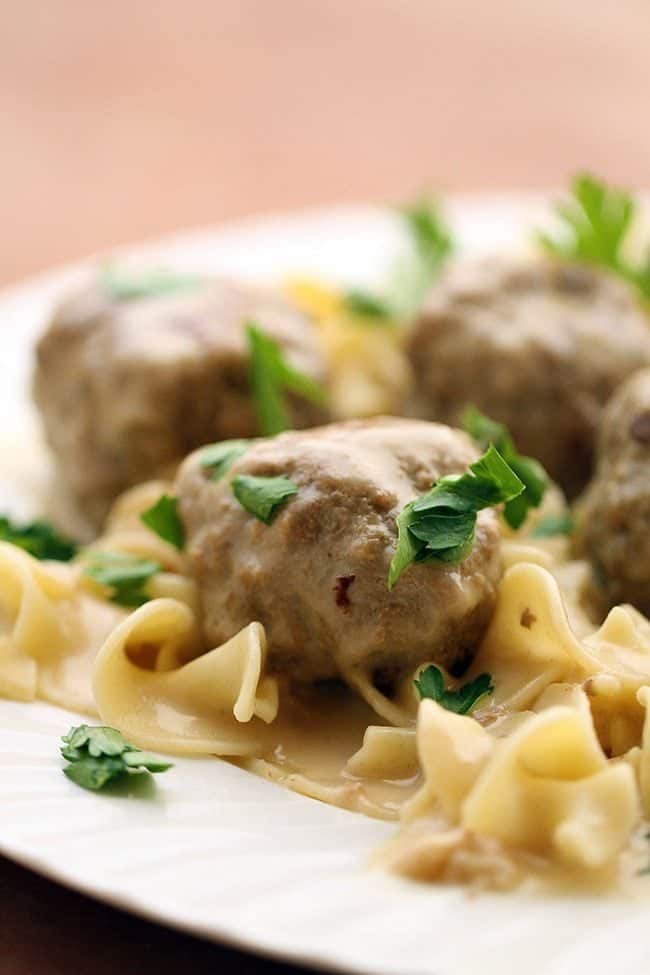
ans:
x=614 y=514
x=539 y=346
x=126 y=389
x=353 y=478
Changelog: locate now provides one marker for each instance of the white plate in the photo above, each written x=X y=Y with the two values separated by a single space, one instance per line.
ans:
x=215 y=850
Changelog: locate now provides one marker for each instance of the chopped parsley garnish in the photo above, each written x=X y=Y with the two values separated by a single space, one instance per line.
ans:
x=430 y=234
x=262 y=496
x=439 y=526
x=39 y=538
x=162 y=518
x=366 y=305
x=125 y=576
x=431 y=684
x=595 y=223
x=552 y=525
x=430 y=244
x=535 y=479
x=271 y=378
x=217 y=458
x=123 y=284
x=101 y=755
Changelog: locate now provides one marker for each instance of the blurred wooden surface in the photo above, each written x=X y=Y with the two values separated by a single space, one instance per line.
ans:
x=124 y=119
x=47 y=930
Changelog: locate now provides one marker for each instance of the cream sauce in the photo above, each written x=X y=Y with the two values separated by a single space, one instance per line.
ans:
x=315 y=735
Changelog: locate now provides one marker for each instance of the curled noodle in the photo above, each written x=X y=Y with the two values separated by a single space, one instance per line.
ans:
x=217 y=703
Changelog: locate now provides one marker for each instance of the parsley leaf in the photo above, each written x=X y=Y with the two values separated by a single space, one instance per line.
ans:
x=84 y=739
x=535 y=479
x=366 y=305
x=123 y=284
x=124 y=575
x=551 y=525
x=430 y=244
x=39 y=538
x=162 y=518
x=430 y=235
x=101 y=755
x=595 y=223
x=431 y=684
x=271 y=377
x=219 y=457
x=642 y=278
x=439 y=526
x=262 y=496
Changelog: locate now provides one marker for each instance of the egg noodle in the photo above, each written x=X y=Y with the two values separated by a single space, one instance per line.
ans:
x=550 y=774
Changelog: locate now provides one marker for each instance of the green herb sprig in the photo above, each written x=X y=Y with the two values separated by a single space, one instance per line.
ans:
x=594 y=225
x=365 y=305
x=430 y=683
x=163 y=519
x=122 y=284
x=271 y=378
x=218 y=458
x=552 y=525
x=38 y=538
x=535 y=479
x=263 y=496
x=439 y=526
x=125 y=576
x=430 y=244
x=101 y=755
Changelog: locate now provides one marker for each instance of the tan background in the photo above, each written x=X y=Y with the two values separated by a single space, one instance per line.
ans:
x=123 y=118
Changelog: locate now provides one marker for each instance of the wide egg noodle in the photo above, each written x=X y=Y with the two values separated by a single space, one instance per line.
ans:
x=530 y=643
x=219 y=703
x=30 y=625
x=549 y=789
x=386 y=753
x=453 y=750
x=643 y=756
x=49 y=631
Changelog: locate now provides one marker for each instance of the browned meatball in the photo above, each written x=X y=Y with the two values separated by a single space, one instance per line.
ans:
x=316 y=576
x=614 y=515
x=127 y=388
x=537 y=345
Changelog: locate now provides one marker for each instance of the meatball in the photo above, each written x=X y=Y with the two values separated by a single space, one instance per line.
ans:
x=614 y=514
x=538 y=345
x=127 y=388
x=316 y=577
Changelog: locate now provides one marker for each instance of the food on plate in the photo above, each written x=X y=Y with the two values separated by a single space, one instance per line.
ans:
x=369 y=374
x=316 y=575
x=390 y=614
x=129 y=381
x=99 y=756
x=537 y=344
x=359 y=328
x=614 y=515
